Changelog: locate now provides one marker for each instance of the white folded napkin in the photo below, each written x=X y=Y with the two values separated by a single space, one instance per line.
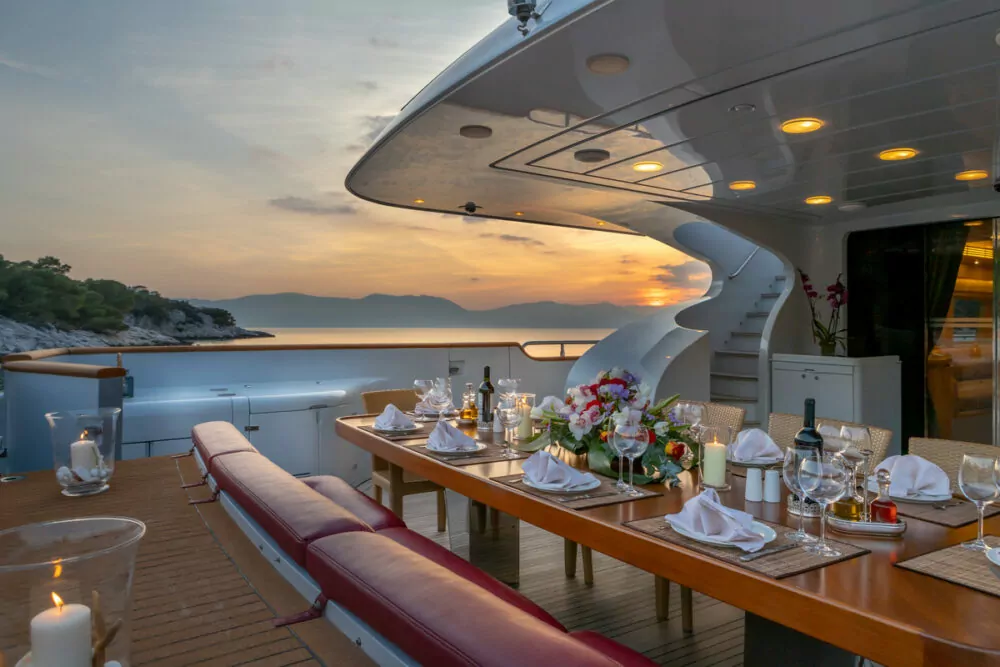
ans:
x=754 y=444
x=912 y=475
x=392 y=419
x=447 y=438
x=706 y=516
x=543 y=468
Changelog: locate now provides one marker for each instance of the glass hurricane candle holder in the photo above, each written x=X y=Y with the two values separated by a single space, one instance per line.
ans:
x=525 y=404
x=83 y=449
x=714 y=447
x=66 y=592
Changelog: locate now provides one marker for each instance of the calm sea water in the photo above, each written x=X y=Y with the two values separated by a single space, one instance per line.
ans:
x=417 y=335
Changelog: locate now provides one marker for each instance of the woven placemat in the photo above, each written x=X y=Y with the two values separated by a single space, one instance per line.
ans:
x=780 y=565
x=741 y=471
x=958 y=565
x=956 y=513
x=423 y=432
x=491 y=454
x=605 y=494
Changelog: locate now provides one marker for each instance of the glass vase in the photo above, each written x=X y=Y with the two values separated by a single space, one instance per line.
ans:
x=66 y=592
x=83 y=449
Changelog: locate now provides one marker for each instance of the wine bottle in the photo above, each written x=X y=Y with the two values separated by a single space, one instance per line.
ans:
x=485 y=403
x=808 y=436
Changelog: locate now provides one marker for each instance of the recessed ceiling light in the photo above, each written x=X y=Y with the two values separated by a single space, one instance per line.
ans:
x=894 y=154
x=743 y=108
x=608 y=63
x=847 y=207
x=801 y=125
x=518 y=213
x=476 y=131
x=418 y=201
x=974 y=223
x=592 y=155
x=972 y=175
x=647 y=166
x=601 y=223
x=818 y=200
x=742 y=185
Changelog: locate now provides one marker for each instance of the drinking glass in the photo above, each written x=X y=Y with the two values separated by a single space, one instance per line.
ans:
x=634 y=440
x=618 y=447
x=509 y=412
x=440 y=398
x=824 y=479
x=691 y=414
x=977 y=479
x=507 y=387
x=790 y=473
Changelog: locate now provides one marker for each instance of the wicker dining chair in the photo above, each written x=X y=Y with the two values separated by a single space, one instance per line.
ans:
x=390 y=477
x=715 y=414
x=782 y=429
x=947 y=454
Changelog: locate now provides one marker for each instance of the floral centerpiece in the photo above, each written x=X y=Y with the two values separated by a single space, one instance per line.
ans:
x=586 y=419
x=827 y=335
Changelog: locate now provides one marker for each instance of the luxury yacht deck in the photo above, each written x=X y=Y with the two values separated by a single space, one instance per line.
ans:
x=204 y=596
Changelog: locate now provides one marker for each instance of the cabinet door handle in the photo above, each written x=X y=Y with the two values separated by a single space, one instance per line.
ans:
x=803 y=376
x=250 y=429
x=817 y=377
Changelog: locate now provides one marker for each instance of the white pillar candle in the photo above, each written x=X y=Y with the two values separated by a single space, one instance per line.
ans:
x=60 y=637
x=83 y=454
x=713 y=464
x=524 y=428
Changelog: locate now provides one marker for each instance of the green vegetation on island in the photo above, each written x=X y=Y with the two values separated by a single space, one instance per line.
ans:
x=41 y=293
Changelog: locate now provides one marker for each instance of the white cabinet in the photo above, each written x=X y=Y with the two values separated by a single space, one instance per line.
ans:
x=288 y=439
x=864 y=390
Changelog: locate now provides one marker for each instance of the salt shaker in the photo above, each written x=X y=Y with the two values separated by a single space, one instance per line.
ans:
x=497 y=424
x=755 y=484
x=772 y=486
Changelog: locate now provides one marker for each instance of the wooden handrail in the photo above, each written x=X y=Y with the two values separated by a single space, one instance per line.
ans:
x=36 y=355
x=65 y=369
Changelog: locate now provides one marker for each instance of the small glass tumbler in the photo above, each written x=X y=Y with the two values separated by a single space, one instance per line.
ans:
x=67 y=592
x=83 y=448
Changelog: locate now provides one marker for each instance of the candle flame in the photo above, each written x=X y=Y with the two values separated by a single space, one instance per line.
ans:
x=57 y=572
x=58 y=600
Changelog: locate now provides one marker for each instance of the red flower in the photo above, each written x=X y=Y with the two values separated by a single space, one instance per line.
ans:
x=843 y=297
x=593 y=404
x=674 y=449
x=812 y=294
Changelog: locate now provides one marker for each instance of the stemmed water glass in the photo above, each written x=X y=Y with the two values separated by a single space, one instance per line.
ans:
x=977 y=480
x=618 y=447
x=510 y=418
x=691 y=414
x=423 y=389
x=440 y=398
x=632 y=441
x=824 y=479
x=790 y=473
x=507 y=387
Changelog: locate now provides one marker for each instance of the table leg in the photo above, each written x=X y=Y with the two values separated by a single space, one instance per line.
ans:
x=497 y=550
x=768 y=643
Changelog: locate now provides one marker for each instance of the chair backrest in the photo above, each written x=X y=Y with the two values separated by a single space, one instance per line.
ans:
x=782 y=429
x=374 y=402
x=719 y=414
x=947 y=454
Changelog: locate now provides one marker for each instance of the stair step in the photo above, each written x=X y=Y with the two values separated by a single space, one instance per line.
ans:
x=725 y=398
x=738 y=353
x=747 y=423
x=758 y=313
x=779 y=278
x=770 y=295
x=734 y=376
x=745 y=334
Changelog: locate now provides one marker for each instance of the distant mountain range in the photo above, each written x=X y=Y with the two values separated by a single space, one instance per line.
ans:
x=383 y=310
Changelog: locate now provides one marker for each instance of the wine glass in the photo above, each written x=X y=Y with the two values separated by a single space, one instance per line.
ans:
x=824 y=479
x=790 y=473
x=507 y=387
x=977 y=478
x=691 y=414
x=509 y=412
x=440 y=398
x=423 y=389
x=633 y=439
x=618 y=447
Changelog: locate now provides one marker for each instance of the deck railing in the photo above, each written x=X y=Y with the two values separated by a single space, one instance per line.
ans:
x=561 y=343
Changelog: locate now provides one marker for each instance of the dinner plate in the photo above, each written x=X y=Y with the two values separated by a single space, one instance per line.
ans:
x=994 y=556
x=549 y=488
x=398 y=430
x=480 y=446
x=921 y=498
x=755 y=463
x=761 y=529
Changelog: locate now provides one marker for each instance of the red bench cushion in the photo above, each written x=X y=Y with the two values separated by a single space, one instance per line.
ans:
x=435 y=552
x=432 y=614
x=213 y=439
x=286 y=509
x=355 y=502
x=623 y=655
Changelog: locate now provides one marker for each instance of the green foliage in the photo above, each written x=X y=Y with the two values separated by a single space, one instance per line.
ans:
x=42 y=293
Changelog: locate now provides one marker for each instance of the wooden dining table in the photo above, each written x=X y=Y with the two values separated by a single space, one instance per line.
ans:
x=865 y=605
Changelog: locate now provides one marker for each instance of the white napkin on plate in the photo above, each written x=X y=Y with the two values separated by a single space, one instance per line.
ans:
x=912 y=475
x=754 y=444
x=447 y=438
x=544 y=469
x=705 y=515
x=393 y=419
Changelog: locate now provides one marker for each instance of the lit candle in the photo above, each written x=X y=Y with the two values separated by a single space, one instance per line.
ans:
x=83 y=454
x=524 y=428
x=713 y=464
x=60 y=637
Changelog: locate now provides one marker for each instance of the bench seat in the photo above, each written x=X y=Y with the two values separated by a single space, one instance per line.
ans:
x=357 y=503
x=213 y=439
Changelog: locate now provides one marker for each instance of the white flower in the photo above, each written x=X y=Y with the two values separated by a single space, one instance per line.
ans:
x=661 y=428
x=580 y=425
x=617 y=373
x=548 y=404
x=627 y=416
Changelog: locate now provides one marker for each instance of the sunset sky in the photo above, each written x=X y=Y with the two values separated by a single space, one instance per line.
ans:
x=200 y=148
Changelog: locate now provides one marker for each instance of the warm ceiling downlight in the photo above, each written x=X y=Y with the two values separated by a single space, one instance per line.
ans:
x=740 y=186
x=801 y=125
x=972 y=175
x=647 y=166
x=895 y=154
x=418 y=201
x=818 y=200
